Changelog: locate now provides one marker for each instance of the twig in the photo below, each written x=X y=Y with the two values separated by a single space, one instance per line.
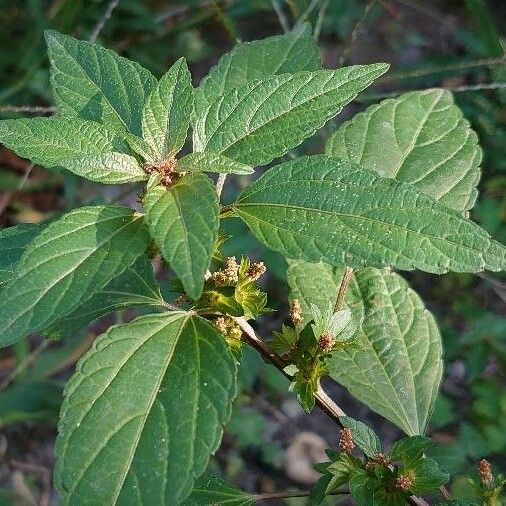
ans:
x=219 y=184
x=45 y=478
x=24 y=364
x=347 y=275
x=324 y=402
x=33 y=109
x=306 y=13
x=26 y=175
x=437 y=69
x=319 y=20
x=355 y=33
x=103 y=20
x=436 y=16
x=453 y=89
x=281 y=15
x=499 y=287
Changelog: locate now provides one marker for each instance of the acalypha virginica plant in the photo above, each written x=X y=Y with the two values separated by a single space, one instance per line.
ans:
x=146 y=406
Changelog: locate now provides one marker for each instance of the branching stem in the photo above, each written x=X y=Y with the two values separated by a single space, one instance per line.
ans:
x=324 y=402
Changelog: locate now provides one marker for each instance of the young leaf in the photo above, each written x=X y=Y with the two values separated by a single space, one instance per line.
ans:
x=144 y=411
x=85 y=148
x=411 y=448
x=211 y=489
x=295 y=51
x=368 y=490
x=419 y=138
x=183 y=220
x=136 y=287
x=166 y=114
x=13 y=241
x=211 y=162
x=321 y=208
x=94 y=83
x=427 y=476
x=363 y=436
x=396 y=366
x=263 y=120
x=66 y=264
x=335 y=474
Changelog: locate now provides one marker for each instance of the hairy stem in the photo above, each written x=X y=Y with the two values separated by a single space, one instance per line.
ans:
x=341 y=296
x=324 y=402
x=219 y=184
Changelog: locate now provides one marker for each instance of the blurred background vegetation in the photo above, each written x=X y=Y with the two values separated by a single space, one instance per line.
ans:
x=270 y=444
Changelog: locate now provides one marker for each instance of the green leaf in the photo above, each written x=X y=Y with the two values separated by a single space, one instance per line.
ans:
x=409 y=449
x=336 y=474
x=363 y=436
x=427 y=476
x=262 y=120
x=211 y=489
x=136 y=287
x=319 y=208
x=166 y=114
x=85 y=148
x=419 y=138
x=66 y=264
x=295 y=51
x=94 y=83
x=183 y=220
x=211 y=162
x=396 y=366
x=144 y=411
x=368 y=490
x=13 y=241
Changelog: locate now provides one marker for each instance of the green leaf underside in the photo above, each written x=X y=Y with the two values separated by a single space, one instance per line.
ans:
x=295 y=51
x=396 y=366
x=94 y=83
x=133 y=434
x=166 y=114
x=419 y=138
x=263 y=120
x=85 y=148
x=70 y=260
x=13 y=241
x=211 y=162
x=320 y=208
x=183 y=221
x=211 y=489
x=136 y=287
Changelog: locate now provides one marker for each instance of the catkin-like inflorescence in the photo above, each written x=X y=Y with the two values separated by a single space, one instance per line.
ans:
x=326 y=342
x=166 y=169
x=404 y=481
x=379 y=459
x=296 y=312
x=229 y=275
x=256 y=270
x=228 y=327
x=485 y=471
x=346 y=443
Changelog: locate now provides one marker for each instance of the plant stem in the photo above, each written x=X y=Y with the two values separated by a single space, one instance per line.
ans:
x=324 y=402
x=219 y=184
x=287 y=495
x=341 y=296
